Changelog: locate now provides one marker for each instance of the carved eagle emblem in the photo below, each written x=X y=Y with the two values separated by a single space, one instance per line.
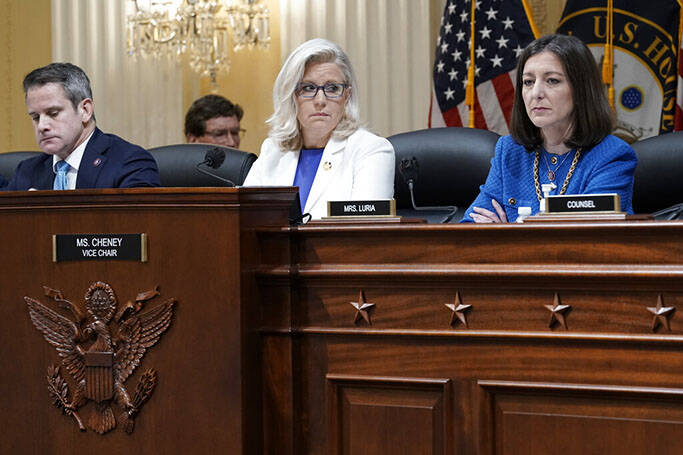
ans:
x=100 y=349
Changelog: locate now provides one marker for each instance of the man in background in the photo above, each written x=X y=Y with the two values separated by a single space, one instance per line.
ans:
x=213 y=119
x=76 y=153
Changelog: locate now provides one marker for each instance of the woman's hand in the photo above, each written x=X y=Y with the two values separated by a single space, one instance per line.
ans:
x=481 y=215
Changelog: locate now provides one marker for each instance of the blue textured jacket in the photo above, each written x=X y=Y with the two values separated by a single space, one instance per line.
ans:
x=108 y=162
x=606 y=168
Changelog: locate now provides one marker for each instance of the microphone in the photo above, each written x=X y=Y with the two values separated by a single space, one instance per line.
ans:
x=214 y=158
x=409 y=170
x=295 y=215
x=675 y=212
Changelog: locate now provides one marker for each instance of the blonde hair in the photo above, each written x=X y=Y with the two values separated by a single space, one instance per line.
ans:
x=284 y=125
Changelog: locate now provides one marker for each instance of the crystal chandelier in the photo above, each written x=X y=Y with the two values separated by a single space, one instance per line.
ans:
x=199 y=28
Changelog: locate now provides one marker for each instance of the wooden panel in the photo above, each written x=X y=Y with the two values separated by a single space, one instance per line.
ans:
x=464 y=360
x=199 y=243
x=370 y=415
x=268 y=354
x=526 y=418
x=397 y=306
x=278 y=396
x=610 y=275
x=511 y=247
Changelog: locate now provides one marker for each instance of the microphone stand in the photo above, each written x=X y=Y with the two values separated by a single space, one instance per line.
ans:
x=670 y=213
x=214 y=158
x=451 y=208
x=211 y=174
x=408 y=169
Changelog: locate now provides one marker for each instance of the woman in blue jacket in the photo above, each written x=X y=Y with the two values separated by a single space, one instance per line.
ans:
x=560 y=133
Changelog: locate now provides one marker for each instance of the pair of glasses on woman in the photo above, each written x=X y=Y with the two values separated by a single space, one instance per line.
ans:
x=331 y=90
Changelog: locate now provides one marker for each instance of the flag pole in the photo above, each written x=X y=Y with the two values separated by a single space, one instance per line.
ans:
x=469 y=91
x=608 y=58
x=530 y=18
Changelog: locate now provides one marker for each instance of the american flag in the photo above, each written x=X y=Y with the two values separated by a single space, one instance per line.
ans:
x=502 y=30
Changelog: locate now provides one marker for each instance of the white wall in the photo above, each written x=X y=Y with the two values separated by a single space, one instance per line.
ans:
x=138 y=100
x=389 y=47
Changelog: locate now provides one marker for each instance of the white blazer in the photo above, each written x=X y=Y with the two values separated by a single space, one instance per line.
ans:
x=360 y=167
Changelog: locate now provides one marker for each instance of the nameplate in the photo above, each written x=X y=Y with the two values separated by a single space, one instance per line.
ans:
x=99 y=247
x=384 y=207
x=582 y=203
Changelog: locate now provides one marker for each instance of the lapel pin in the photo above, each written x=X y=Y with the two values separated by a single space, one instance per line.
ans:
x=97 y=162
x=327 y=165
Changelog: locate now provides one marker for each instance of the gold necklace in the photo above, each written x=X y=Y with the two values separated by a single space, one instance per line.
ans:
x=551 y=172
x=566 y=179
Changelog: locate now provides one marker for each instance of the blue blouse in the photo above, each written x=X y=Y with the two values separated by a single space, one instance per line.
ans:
x=307 y=167
x=606 y=168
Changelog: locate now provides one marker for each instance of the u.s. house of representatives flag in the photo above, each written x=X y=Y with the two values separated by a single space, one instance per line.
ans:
x=502 y=29
x=646 y=47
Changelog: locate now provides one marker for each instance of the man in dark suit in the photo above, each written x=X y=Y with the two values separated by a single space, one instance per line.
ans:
x=76 y=153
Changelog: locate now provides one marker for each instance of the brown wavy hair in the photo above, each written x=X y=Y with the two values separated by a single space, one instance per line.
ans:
x=592 y=117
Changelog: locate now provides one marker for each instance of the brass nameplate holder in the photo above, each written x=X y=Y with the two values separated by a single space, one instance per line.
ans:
x=583 y=203
x=99 y=247
x=353 y=209
x=580 y=207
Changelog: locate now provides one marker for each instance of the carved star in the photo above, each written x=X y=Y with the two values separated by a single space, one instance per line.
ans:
x=661 y=314
x=362 y=309
x=557 y=312
x=459 y=311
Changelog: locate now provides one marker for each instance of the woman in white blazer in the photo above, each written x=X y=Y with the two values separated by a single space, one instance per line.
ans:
x=315 y=140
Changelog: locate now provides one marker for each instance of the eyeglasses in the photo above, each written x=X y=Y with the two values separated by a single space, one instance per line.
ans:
x=331 y=90
x=219 y=134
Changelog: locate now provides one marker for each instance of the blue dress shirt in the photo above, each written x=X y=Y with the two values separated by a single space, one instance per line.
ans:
x=307 y=167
